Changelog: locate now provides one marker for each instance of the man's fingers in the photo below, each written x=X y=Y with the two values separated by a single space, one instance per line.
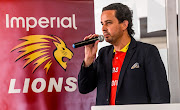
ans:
x=96 y=43
x=91 y=36
x=88 y=37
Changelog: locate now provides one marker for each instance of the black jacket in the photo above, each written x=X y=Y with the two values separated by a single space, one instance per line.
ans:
x=140 y=85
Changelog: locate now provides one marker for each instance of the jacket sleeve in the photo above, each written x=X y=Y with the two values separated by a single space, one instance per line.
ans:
x=87 y=78
x=158 y=86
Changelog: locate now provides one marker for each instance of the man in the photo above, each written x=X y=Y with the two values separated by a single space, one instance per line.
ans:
x=126 y=72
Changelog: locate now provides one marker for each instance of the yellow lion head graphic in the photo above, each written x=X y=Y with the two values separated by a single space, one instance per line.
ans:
x=36 y=48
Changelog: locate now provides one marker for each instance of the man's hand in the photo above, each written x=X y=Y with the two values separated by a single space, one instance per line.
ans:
x=90 y=51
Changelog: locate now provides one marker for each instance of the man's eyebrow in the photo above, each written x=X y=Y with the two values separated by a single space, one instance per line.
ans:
x=106 y=21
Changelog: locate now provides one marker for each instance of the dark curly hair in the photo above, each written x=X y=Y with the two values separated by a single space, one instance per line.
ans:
x=122 y=13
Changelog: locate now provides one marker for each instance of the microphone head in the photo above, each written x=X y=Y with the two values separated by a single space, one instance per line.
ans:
x=101 y=38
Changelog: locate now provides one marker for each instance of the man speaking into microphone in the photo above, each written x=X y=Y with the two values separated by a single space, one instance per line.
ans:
x=126 y=72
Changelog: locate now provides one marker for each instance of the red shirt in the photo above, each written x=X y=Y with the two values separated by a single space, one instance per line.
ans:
x=116 y=64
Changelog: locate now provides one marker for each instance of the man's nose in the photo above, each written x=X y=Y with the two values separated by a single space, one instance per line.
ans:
x=104 y=28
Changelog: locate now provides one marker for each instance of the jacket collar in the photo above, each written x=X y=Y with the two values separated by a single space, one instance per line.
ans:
x=133 y=43
x=128 y=56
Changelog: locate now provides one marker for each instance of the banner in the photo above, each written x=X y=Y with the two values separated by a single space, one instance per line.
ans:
x=39 y=67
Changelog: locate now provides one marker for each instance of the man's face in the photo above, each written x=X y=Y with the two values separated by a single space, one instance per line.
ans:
x=112 y=29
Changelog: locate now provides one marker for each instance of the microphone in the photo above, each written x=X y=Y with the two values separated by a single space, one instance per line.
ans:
x=88 y=41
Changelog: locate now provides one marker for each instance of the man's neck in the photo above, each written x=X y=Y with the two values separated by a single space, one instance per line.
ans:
x=122 y=43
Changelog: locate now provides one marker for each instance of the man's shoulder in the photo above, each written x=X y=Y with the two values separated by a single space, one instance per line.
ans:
x=106 y=48
x=106 y=51
x=143 y=45
x=146 y=48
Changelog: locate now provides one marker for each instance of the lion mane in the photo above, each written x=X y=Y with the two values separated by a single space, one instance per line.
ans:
x=35 y=49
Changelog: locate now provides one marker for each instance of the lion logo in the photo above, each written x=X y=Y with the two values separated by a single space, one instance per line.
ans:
x=36 y=48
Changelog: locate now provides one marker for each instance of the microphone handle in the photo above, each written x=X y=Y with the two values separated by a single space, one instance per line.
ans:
x=85 y=42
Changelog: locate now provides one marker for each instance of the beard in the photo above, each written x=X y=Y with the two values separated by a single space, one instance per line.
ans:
x=109 y=40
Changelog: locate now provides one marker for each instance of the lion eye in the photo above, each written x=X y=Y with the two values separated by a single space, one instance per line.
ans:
x=63 y=48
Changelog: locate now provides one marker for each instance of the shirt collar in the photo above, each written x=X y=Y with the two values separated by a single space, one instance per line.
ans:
x=123 y=49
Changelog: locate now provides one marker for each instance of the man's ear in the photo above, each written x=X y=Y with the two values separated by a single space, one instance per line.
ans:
x=125 y=24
